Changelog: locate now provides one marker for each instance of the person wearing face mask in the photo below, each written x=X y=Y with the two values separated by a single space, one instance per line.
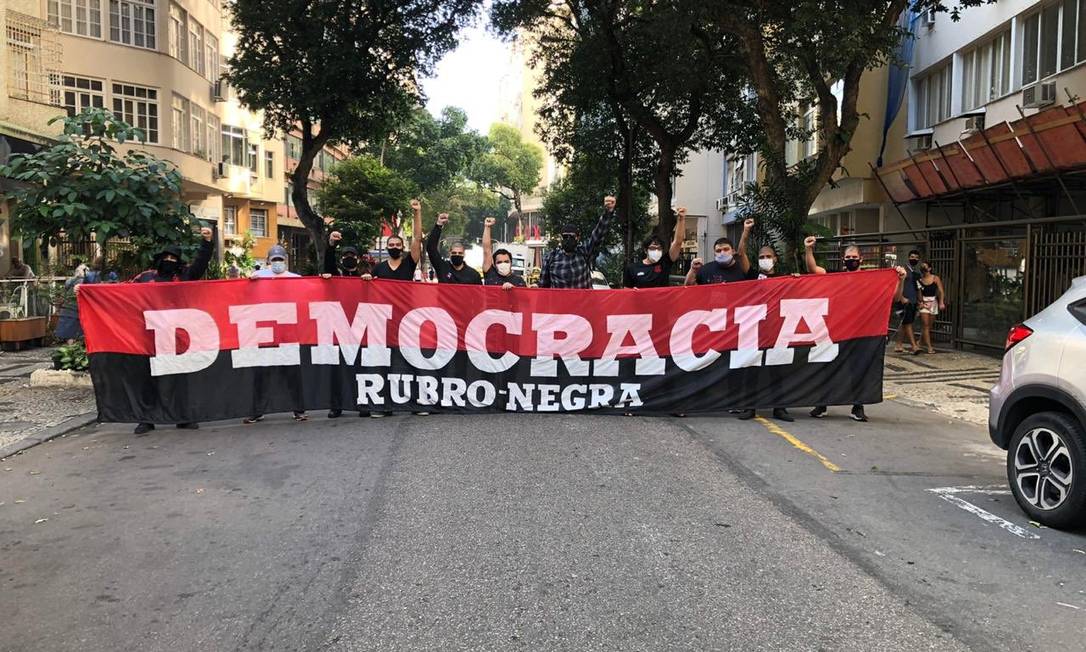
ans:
x=654 y=270
x=400 y=266
x=570 y=265
x=169 y=266
x=851 y=262
x=453 y=270
x=727 y=266
x=908 y=304
x=932 y=301
x=498 y=265
x=350 y=264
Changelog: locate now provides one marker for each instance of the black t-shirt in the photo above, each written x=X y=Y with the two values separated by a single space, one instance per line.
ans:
x=447 y=274
x=492 y=277
x=654 y=275
x=405 y=272
x=714 y=272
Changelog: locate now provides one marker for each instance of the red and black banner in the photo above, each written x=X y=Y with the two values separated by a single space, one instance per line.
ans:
x=198 y=351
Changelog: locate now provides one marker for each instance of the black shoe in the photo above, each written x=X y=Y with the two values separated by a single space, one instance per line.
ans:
x=363 y=413
x=819 y=412
x=191 y=425
x=746 y=415
x=781 y=414
x=378 y=415
x=144 y=428
x=334 y=414
x=858 y=414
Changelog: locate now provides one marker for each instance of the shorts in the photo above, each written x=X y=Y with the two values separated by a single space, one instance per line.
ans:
x=929 y=307
x=908 y=313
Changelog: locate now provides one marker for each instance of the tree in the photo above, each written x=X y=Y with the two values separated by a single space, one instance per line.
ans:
x=337 y=72
x=512 y=168
x=432 y=152
x=655 y=61
x=83 y=186
x=359 y=193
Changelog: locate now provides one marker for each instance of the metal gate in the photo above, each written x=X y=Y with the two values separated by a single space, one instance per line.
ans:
x=1055 y=258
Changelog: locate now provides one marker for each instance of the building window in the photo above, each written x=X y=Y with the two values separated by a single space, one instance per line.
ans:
x=234 y=145
x=986 y=72
x=199 y=134
x=808 y=124
x=138 y=106
x=178 y=44
x=196 y=47
x=229 y=220
x=82 y=17
x=269 y=164
x=212 y=45
x=1053 y=39
x=179 y=123
x=933 y=98
x=258 y=222
x=254 y=158
x=132 y=22
x=214 y=151
x=80 y=93
x=286 y=194
x=294 y=147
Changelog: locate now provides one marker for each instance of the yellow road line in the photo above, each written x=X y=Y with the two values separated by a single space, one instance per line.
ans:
x=791 y=439
x=889 y=397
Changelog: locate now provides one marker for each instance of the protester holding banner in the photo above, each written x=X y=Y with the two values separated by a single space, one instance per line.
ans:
x=349 y=263
x=727 y=267
x=498 y=265
x=169 y=266
x=399 y=267
x=654 y=270
x=453 y=270
x=570 y=266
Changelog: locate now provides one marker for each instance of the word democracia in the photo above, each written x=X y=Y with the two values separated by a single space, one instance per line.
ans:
x=363 y=338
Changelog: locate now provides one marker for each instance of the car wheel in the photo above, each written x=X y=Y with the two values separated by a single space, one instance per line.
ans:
x=1046 y=468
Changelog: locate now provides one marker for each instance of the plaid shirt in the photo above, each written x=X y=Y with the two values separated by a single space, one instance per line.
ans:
x=574 y=270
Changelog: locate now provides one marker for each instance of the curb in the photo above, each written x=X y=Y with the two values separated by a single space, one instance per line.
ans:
x=63 y=428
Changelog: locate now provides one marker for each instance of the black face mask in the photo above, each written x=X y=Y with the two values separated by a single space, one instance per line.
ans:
x=913 y=262
x=569 y=243
x=456 y=261
x=395 y=252
x=167 y=267
x=851 y=264
x=350 y=262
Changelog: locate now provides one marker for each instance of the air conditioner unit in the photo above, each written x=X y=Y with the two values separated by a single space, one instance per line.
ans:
x=722 y=204
x=218 y=171
x=929 y=17
x=1038 y=95
x=920 y=142
x=974 y=123
x=219 y=91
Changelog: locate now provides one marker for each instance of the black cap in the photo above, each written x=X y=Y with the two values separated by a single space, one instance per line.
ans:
x=570 y=228
x=350 y=250
x=172 y=250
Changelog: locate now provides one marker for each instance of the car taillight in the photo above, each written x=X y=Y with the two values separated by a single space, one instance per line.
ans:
x=1017 y=334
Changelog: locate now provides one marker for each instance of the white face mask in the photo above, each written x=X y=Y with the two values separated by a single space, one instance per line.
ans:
x=504 y=268
x=765 y=264
x=655 y=255
x=278 y=266
x=724 y=258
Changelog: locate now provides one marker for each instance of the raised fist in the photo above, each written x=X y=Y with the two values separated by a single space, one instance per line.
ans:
x=442 y=219
x=810 y=241
x=696 y=263
x=609 y=203
x=748 y=224
x=335 y=236
x=900 y=271
x=416 y=205
x=489 y=221
x=205 y=233
x=681 y=211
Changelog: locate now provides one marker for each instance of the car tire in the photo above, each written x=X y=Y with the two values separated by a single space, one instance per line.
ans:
x=1046 y=469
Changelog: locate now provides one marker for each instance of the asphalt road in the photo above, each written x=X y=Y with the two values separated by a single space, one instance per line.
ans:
x=530 y=532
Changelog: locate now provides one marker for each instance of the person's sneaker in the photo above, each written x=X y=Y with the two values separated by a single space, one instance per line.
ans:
x=781 y=414
x=858 y=414
x=421 y=413
x=191 y=425
x=364 y=413
x=746 y=415
x=144 y=428
x=334 y=414
x=819 y=412
x=378 y=415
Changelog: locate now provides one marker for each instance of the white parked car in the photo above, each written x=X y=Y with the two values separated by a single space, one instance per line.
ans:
x=1038 y=411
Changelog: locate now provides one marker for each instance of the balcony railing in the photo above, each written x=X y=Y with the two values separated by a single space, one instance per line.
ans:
x=34 y=55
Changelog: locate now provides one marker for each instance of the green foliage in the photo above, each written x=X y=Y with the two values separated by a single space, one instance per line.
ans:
x=512 y=168
x=72 y=357
x=467 y=205
x=432 y=152
x=243 y=260
x=83 y=185
x=359 y=192
x=578 y=199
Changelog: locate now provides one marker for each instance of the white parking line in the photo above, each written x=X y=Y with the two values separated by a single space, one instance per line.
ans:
x=949 y=494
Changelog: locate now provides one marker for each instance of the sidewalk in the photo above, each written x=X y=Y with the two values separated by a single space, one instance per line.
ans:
x=28 y=412
x=952 y=383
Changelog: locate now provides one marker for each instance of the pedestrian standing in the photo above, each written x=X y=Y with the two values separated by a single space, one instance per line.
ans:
x=570 y=265
x=400 y=267
x=932 y=301
x=654 y=269
x=726 y=266
x=908 y=304
x=453 y=270
x=169 y=266
x=498 y=265
x=348 y=263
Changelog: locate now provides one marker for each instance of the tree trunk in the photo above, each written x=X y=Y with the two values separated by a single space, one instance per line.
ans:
x=665 y=166
x=314 y=223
